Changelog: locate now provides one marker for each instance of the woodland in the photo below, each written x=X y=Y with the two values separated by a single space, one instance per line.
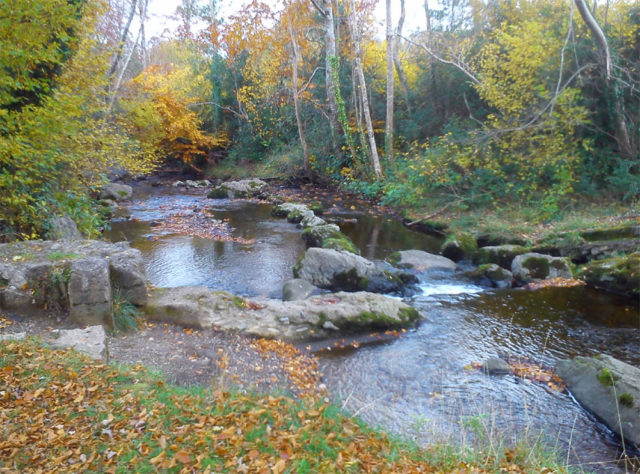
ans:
x=491 y=103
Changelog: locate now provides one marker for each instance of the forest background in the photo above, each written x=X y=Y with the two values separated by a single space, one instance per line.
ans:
x=493 y=103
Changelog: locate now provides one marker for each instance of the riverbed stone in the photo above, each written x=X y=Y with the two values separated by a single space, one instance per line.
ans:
x=244 y=188
x=91 y=340
x=459 y=246
x=309 y=219
x=90 y=291
x=116 y=191
x=298 y=289
x=491 y=275
x=311 y=318
x=619 y=275
x=194 y=306
x=420 y=261
x=496 y=366
x=341 y=270
x=609 y=388
x=502 y=255
x=535 y=266
x=282 y=210
x=62 y=228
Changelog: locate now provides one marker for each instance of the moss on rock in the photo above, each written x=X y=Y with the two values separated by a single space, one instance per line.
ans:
x=340 y=242
x=459 y=246
x=619 y=275
x=218 y=193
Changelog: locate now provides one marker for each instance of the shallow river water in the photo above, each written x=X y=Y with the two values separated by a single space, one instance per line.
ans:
x=420 y=385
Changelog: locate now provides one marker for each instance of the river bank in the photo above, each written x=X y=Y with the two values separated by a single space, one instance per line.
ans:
x=419 y=379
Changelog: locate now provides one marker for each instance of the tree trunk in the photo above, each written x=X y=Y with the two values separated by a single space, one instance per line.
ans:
x=398 y=63
x=355 y=29
x=143 y=40
x=388 y=133
x=621 y=132
x=296 y=103
x=123 y=40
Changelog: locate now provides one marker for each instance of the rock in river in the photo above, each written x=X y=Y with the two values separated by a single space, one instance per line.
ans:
x=314 y=317
x=609 y=388
x=116 y=191
x=341 y=270
x=535 y=266
x=618 y=274
x=420 y=261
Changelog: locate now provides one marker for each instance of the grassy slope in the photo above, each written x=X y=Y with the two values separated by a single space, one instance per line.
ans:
x=61 y=410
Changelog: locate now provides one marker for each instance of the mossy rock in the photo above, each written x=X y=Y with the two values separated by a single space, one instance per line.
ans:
x=613 y=233
x=459 y=246
x=534 y=266
x=491 y=275
x=501 y=255
x=394 y=258
x=317 y=208
x=218 y=193
x=619 y=275
x=340 y=242
x=295 y=217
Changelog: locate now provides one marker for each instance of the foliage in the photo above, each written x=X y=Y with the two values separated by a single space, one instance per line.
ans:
x=56 y=148
x=159 y=107
x=126 y=317
x=61 y=410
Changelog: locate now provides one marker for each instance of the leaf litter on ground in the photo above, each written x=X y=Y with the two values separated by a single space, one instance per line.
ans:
x=61 y=411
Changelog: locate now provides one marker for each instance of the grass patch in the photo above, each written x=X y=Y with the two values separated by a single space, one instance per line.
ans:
x=64 y=411
x=63 y=256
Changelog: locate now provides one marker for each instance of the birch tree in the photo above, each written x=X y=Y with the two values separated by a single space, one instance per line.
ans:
x=388 y=134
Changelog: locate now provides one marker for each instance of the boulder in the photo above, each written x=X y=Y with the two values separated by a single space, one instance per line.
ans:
x=91 y=341
x=502 y=255
x=203 y=183
x=195 y=306
x=608 y=388
x=128 y=276
x=116 y=191
x=341 y=270
x=298 y=289
x=535 y=266
x=244 y=188
x=491 y=275
x=81 y=276
x=328 y=236
x=310 y=318
x=314 y=236
x=459 y=246
x=420 y=261
x=62 y=228
x=90 y=291
x=282 y=210
x=618 y=274
x=311 y=220
x=496 y=366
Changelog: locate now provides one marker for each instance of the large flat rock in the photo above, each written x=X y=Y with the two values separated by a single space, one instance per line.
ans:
x=608 y=388
x=310 y=318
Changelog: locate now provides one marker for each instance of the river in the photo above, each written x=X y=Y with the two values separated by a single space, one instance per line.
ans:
x=423 y=384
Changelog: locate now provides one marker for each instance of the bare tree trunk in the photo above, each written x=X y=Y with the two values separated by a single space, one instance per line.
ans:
x=143 y=40
x=355 y=28
x=388 y=133
x=296 y=101
x=116 y=87
x=622 y=133
x=396 y=59
x=123 y=40
x=427 y=13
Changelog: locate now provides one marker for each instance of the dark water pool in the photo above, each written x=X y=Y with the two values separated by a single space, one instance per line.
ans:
x=420 y=385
